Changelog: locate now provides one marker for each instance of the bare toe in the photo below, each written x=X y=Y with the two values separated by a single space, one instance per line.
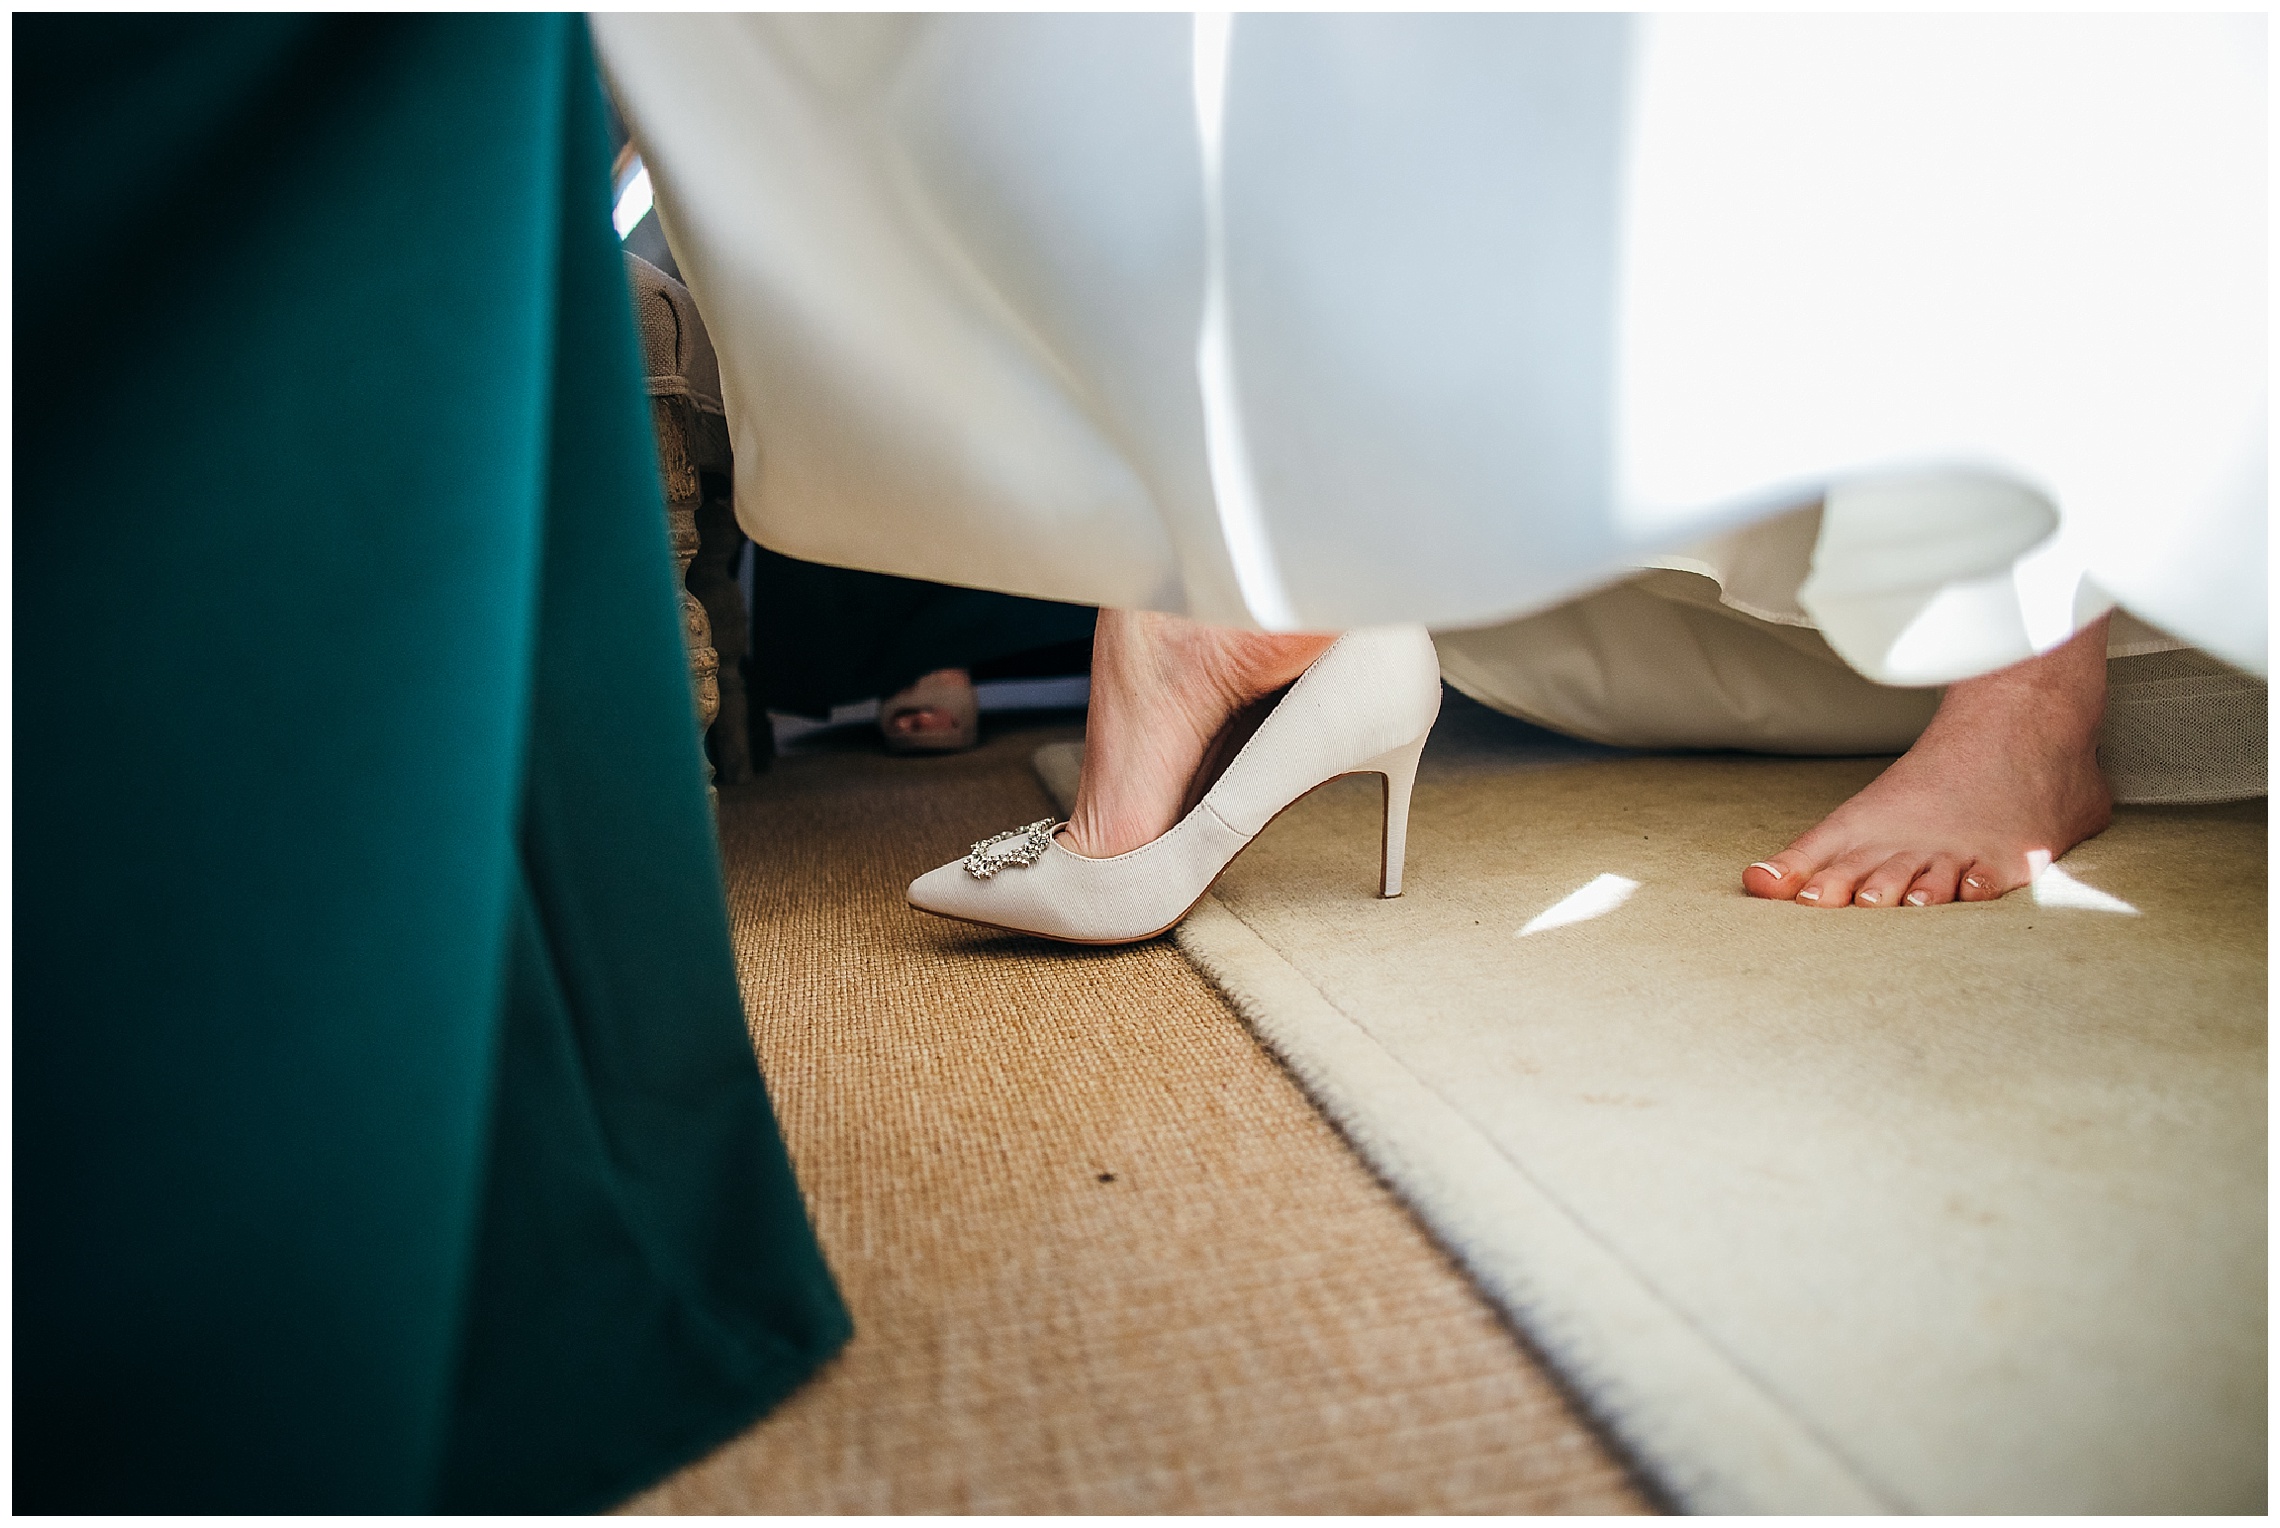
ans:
x=1833 y=885
x=925 y=719
x=1778 y=879
x=1884 y=885
x=1982 y=882
x=1937 y=881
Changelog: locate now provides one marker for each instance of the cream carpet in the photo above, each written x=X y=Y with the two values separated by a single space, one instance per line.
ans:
x=1101 y=1253
x=1954 y=1210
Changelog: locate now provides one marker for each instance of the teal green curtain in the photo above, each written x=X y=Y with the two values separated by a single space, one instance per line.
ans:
x=387 y=1137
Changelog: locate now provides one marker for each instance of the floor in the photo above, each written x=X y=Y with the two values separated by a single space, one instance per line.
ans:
x=1102 y=1255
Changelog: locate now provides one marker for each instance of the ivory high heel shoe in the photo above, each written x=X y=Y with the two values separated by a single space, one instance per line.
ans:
x=1364 y=707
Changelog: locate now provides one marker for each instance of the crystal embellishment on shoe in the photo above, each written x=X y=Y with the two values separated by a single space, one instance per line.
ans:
x=1364 y=708
x=1025 y=845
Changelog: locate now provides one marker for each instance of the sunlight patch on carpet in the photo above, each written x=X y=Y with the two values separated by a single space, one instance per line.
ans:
x=1595 y=899
x=2053 y=887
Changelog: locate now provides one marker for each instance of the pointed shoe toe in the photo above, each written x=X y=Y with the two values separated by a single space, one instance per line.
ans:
x=943 y=890
x=1364 y=707
x=1063 y=895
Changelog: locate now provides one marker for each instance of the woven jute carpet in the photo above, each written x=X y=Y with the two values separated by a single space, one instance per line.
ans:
x=1102 y=1254
x=1945 y=1209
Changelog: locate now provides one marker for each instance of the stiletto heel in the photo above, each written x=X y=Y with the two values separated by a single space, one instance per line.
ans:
x=1399 y=766
x=1366 y=706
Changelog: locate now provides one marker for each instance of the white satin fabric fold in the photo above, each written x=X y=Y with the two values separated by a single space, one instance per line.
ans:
x=1330 y=321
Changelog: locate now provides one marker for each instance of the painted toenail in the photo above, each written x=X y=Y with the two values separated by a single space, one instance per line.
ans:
x=1772 y=870
x=1918 y=898
x=1972 y=880
x=1808 y=895
x=1869 y=897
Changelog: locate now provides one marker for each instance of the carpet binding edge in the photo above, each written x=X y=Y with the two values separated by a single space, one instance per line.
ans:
x=1707 y=1436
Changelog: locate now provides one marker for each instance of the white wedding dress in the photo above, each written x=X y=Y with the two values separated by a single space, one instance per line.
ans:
x=1312 y=322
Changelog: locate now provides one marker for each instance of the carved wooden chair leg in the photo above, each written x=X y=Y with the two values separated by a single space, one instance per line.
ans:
x=712 y=579
x=696 y=629
x=671 y=418
x=692 y=442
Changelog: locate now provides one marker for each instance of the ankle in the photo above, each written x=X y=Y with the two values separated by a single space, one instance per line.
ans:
x=1242 y=666
x=1163 y=687
x=1205 y=673
x=2030 y=715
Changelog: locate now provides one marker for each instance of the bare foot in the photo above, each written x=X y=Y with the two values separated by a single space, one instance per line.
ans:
x=935 y=712
x=2008 y=766
x=1162 y=688
x=926 y=721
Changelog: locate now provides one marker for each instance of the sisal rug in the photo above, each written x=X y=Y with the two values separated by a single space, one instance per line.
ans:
x=1953 y=1210
x=1102 y=1254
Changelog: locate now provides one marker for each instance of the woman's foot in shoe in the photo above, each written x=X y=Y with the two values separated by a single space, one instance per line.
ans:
x=2008 y=767
x=1163 y=687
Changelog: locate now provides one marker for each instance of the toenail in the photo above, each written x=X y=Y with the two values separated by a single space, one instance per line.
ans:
x=1918 y=898
x=1808 y=895
x=1772 y=870
x=1869 y=897
x=1972 y=880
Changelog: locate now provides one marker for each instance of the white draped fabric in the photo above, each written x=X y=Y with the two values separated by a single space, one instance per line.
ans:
x=1309 y=322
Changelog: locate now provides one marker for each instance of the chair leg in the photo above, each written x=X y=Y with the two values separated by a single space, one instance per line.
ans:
x=712 y=581
x=696 y=628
